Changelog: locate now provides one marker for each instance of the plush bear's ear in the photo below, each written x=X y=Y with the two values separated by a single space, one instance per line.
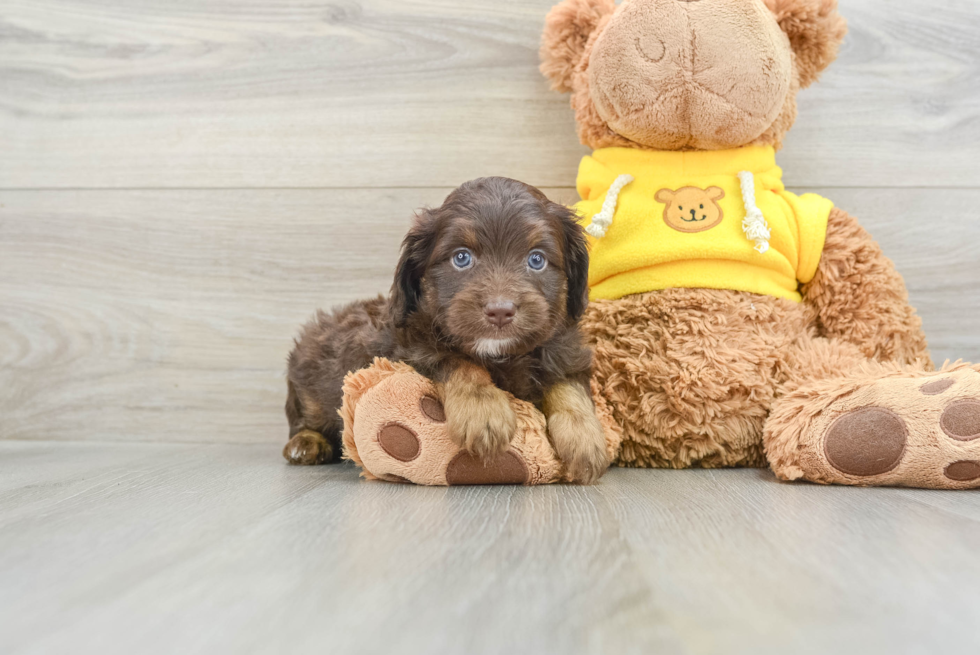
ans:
x=666 y=196
x=815 y=32
x=715 y=192
x=566 y=32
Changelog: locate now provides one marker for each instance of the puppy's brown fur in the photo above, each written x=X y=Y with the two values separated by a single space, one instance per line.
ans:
x=439 y=318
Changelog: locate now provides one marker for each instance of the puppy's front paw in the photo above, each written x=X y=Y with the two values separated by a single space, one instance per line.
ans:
x=481 y=420
x=580 y=443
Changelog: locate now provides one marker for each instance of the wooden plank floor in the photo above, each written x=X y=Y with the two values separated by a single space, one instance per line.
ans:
x=182 y=183
x=180 y=548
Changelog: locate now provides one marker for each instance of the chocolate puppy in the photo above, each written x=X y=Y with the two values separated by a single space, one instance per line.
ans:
x=487 y=296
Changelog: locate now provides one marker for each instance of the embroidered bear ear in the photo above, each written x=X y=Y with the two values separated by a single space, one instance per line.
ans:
x=666 y=196
x=715 y=192
x=567 y=30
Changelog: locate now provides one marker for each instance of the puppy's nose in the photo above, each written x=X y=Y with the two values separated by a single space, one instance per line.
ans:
x=500 y=312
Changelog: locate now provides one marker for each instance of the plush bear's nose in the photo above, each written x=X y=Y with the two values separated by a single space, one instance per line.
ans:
x=500 y=312
x=694 y=214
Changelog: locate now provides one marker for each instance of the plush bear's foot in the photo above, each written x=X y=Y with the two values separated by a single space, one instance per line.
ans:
x=881 y=427
x=395 y=428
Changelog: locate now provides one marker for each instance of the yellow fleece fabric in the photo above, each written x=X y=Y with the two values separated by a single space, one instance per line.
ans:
x=641 y=252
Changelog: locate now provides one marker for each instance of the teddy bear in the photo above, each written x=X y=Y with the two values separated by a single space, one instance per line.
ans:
x=750 y=326
x=733 y=322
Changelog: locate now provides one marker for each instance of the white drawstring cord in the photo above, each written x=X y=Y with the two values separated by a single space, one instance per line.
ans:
x=602 y=220
x=754 y=224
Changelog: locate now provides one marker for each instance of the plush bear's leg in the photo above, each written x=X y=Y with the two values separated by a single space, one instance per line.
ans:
x=395 y=430
x=873 y=424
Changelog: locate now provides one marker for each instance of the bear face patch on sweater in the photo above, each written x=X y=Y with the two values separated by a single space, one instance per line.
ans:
x=692 y=209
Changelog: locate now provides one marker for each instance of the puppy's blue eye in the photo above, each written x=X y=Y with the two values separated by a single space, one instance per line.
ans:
x=537 y=261
x=462 y=258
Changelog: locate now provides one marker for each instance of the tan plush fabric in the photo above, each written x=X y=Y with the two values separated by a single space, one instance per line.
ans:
x=664 y=74
x=671 y=74
x=881 y=424
x=859 y=297
x=815 y=31
x=838 y=388
x=570 y=26
x=691 y=375
x=394 y=430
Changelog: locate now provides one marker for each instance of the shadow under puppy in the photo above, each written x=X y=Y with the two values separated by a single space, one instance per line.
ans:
x=487 y=297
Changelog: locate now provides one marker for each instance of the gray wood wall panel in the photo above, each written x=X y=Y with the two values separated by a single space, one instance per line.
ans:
x=168 y=315
x=381 y=93
x=182 y=183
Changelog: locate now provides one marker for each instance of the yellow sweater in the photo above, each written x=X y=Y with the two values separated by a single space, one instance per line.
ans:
x=681 y=222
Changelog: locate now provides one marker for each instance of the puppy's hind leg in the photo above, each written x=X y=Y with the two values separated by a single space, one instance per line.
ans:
x=313 y=437
x=308 y=448
x=329 y=346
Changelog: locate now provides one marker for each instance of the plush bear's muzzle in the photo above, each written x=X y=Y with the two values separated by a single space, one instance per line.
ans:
x=700 y=74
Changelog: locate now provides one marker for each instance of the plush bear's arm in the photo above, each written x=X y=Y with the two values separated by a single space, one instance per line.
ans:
x=859 y=296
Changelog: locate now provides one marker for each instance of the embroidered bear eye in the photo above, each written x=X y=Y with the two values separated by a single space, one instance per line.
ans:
x=702 y=206
x=680 y=208
x=462 y=259
x=536 y=261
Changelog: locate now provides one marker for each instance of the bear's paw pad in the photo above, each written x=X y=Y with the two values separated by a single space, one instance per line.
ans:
x=399 y=442
x=866 y=441
x=963 y=471
x=507 y=468
x=961 y=420
x=901 y=430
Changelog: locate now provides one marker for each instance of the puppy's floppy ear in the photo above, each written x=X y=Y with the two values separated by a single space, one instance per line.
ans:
x=406 y=290
x=566 y=32
x=576 y=260
x=815 y=32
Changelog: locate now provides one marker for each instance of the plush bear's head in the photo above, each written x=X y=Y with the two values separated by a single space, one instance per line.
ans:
x=687 y=74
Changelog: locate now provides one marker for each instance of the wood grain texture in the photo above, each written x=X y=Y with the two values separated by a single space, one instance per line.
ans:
x=381 y=93
x=154 y=548
x=168 y=315
x=182 y=183
x=180 y=307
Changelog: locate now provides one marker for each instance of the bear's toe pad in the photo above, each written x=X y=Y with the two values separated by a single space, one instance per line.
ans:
x=901 y=430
